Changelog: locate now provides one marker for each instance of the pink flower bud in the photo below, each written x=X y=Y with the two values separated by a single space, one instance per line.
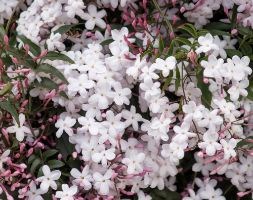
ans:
x=172 y=35
x=59 y=156
x=23 y=166
x=17 y=155
x=6 y=40
x=205 y=80
x=242 y=194
x=74 y=155
x=200 y=154
x=182 y=9
x=15 y=60
x=30 y=151
x=234 y=31
x=27 y=48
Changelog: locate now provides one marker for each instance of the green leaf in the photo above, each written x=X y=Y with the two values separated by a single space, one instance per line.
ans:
x=65 y=28
x=35 y=165
x=245 y=31
x=34 y=48
x=55 y=164
x=63 y=94
x=31 y=159
x=64 y=146
x=40 y=172
x=190 y=29
x=171 y=48
x=23 y=59
x=51 y=55
x=177 y=83
x=219 y=32
x=161 y=45
x=183 y=41
x=234 y=15
x=233 y=52
x=218 y=26
x=106 y=42
x=2 y=32
x=206 y=96
x=10 y=108
x=49 y=69
x=250 y=89
x=245 y=142
x=46 y=83
x=6 y=89
x=47 y=154
x=74 y=163
x=165 y=194
x=246 y=49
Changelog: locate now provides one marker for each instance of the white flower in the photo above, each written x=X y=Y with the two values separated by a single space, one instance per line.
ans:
x=236 y=173
x=20 y=129
x=104 y=155
x=211 y=120
x=83 y=179
x=102 y=95
x=237 y=89
x=193 y=195
x=183 y=131
x=221 y=44
x=212 y=67
x=93 y=17
x=151 y=88
x=157 y=128
x=202 y=165
x=210 y=193
x=119 y=37
x=75 y=7
x=121 y=95
x=206 y=44
x=65 y=124
x=67 y=192
x=55 y=42
x=33 y=193
x=243 y=64
x=132 y=118
x=134 y=162
x=89 y=124
x=113 y=123
x=7 y=6
x=134 y=70
x=103 y=183
x=229 y=148
x=49 y=178
x=165 y=65
x=80 y=85
x=142 y=196
x=210 y=143
x=89 y=147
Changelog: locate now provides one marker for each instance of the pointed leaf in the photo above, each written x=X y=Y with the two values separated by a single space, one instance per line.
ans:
x=51 y=55
x=46 y=83
x=10 y=108
x=47 y=154
x=34 y=48
x=46 y=68
x=35 y=165
x=55 y=164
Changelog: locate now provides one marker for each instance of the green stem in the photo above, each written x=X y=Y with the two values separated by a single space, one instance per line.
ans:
x=165 y=19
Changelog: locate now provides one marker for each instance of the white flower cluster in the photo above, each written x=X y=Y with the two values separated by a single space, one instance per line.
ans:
x=6 y=9
x=130 y=132
x=200 y=12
